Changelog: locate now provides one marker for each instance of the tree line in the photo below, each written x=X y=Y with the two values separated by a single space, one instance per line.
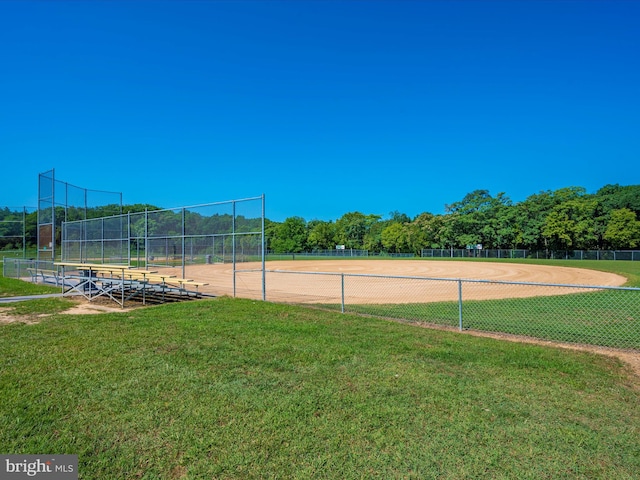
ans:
x=564 y=219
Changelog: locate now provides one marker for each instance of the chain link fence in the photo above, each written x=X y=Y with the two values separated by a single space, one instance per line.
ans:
x=579 y=314
x=222 y=232
x=631 y=255
x=18 y=231
x=60 y=202
x=337 y=252
x=30 y=270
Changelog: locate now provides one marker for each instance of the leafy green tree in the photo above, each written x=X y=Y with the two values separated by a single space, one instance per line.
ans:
x=394 y=238
x=31 y=229
x=476 y=218
x=270 y=229
x=352 y=227
x=568 y=193
x=11 y=226
x=584 y=220
x=415 y=238
x=616 y=197
x=623 y=229
x=321 y=235
x=556 y=231
x=164 y=223
x=529 y=219
x=505 y=227
x=397 y=217
x=373 y=237
x=139 y=208
x=290 y=236
x=497 y=223
x=531 y=216
x=425 y=232
x=571 y=224
x=447 y=232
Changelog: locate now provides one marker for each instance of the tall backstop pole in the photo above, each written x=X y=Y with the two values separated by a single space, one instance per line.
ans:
x=264 y=276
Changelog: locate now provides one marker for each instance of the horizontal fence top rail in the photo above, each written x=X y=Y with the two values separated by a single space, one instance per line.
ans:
x=621 y=255
x=163 y=210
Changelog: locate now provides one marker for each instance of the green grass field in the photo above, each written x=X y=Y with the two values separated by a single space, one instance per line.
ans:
x=230 y=388
x=10 y=287
x=608 y=318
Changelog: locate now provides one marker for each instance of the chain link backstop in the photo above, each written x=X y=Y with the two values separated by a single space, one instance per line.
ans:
x=60 y=202
x=223 y=232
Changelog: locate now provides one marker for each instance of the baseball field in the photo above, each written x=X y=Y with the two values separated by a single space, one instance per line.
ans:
x=305 y=288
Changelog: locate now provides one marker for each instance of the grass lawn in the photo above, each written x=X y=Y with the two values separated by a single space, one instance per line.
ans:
x=11 y=287
x=231 y=388
x=607 y=318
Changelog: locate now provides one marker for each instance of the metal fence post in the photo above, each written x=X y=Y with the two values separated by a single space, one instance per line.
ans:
x=184 y=233
x=262 y=245
x=146 y=239
x=102 y=239
x=128 y=238
x=233 y=244
x=342 y=290
x=460 y=304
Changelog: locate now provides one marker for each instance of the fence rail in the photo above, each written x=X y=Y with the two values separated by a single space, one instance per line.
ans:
x=633 y=255
x=226 y=231
x=27 y=269
x=346 y=252
x=580 y=314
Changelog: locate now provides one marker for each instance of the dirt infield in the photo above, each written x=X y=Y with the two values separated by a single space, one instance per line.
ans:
x=303 y=288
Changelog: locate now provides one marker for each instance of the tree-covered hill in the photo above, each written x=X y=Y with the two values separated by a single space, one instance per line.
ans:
x=565 y=219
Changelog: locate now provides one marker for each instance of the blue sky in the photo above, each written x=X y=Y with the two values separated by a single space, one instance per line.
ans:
x=326 y=107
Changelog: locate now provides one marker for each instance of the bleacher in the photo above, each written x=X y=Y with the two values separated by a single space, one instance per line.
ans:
x=122 y=283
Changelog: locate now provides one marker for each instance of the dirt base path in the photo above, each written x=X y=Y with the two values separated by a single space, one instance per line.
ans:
x=322 y=288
